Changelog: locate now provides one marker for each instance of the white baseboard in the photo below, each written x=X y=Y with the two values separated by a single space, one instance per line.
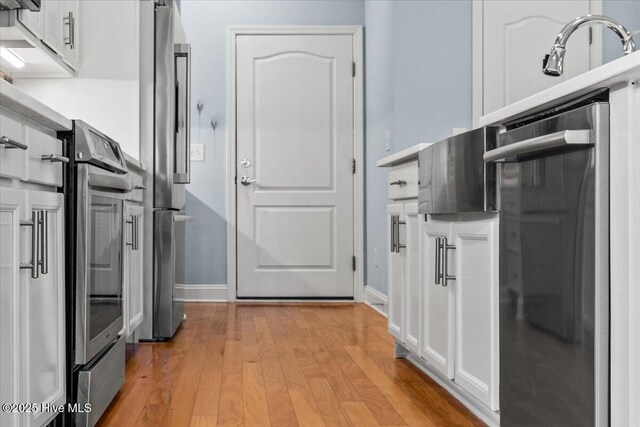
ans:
x=376 y=300
x=202 y=293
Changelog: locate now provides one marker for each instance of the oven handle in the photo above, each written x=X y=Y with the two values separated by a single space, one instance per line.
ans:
x=565 y=138
x=116 y=182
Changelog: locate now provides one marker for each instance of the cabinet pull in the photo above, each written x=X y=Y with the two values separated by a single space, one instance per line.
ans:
x=70 y=23
x=139 y=187
x=398 y=182
x=133 y=232
x=398 y=244
x=33 y=266
x=43 y=223
x=136 y=238
x=392 y=236
x=55 y=158
x=445 y=264
x=12 y=143
x=437 y=261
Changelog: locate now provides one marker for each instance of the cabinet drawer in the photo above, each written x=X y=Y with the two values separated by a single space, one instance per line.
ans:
x=12 y=160
x=44 y=171
x=403 y=181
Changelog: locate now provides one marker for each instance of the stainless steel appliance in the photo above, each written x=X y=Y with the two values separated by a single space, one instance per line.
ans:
x=454 y=177
x=171 y=160
x=96 y=182
x=554 y=273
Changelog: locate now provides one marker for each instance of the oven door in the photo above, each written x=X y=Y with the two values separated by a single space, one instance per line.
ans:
x=98 y=267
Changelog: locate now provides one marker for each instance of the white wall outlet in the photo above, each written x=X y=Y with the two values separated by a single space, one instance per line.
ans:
x=197 y=152
x=458 y=131
x=387 y=138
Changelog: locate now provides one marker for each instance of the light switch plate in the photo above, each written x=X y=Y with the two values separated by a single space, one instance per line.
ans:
x=197 y=152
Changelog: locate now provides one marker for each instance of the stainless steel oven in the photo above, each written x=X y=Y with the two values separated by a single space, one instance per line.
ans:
x=96 y=184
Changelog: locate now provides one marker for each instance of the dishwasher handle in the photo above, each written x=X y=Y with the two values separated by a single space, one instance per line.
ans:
x=565 y=138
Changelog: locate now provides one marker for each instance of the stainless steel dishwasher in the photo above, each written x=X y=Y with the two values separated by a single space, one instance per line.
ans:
x=554 y=268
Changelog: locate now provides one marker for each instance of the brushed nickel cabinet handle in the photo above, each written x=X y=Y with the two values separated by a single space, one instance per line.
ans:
x=12 y=143
x=398 y=182
x=139 y=187
x=392 y=236
x=133 y=231
x=55 y=158
x=445 y=251
x=33 y=265
x=399 y=245
x=43 y=223
x=437 y=261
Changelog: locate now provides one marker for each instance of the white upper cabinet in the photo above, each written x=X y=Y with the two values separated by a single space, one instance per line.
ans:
x=53 y=25
x=70 y=11
x=476 y=295
x=33 y=21
x=437 y=298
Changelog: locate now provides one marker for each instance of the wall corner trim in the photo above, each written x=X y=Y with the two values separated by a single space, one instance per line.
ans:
x=202 y=293
x=376 y=300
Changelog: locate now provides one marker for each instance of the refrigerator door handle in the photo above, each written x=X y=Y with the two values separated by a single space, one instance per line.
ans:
x=182 y=173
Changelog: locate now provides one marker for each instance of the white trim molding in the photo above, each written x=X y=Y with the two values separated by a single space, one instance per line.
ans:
x=358 y=141
x=202 y=293
x=376 y=300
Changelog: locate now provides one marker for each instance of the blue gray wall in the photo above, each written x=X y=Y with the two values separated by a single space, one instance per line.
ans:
x=206 y=23
x=418 y=85
x=627 y=12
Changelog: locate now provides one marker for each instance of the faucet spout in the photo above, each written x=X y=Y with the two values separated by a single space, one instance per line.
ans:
x=552 y=64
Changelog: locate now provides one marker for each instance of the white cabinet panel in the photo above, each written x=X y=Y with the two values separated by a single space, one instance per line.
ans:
x=395 y=275
x=53 y=25
x=438 y=301
x=411 y=306
x=69 y=10
x=477 y=351
x=133 y=267
x=41 y=170
x=42 y=312
x=12 y=207
x=33 y=21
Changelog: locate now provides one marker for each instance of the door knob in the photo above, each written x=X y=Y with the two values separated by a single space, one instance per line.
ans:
x=245 y=180
x=245 y=163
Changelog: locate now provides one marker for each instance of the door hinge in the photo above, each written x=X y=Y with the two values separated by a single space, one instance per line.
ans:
x=590 y=35
x=353 y=166
x=353 y=69
x=353 y=263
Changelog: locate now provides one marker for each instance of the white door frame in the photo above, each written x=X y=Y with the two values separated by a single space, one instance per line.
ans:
x=358 y=142
x=477 y=31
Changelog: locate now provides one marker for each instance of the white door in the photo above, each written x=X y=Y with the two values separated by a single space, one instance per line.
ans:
x=411 y=239
x=395 y=274
x=42 y=312
x=437 y=299
x=12 y=208
x=295 y=139
x=132 y=266
x=476 y=293
x=516 y=36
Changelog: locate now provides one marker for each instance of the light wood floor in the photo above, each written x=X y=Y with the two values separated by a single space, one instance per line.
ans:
x=280 y=365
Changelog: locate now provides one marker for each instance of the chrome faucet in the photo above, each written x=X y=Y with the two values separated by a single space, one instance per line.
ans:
x=552 y=63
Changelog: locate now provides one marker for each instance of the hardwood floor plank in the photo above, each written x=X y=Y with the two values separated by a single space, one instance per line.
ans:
x=256 y=408
x=360 y=415
x=285 y=365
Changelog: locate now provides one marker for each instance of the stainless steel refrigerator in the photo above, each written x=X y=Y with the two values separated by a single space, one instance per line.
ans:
x=170 y=160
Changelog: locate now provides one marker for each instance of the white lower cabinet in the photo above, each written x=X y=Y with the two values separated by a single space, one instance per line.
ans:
x=460 y=303
x=133 y=266
x=32 y=355
x=395 y=275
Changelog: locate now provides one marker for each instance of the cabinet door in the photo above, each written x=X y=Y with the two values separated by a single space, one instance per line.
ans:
x=33 y=21
x=437 y=300
x=411 y=305
x=395 y=275
x=12 y=208
x=42 y=311
x=476 y=290
x=133 y=267
x=70 y=32
x=53 y=25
